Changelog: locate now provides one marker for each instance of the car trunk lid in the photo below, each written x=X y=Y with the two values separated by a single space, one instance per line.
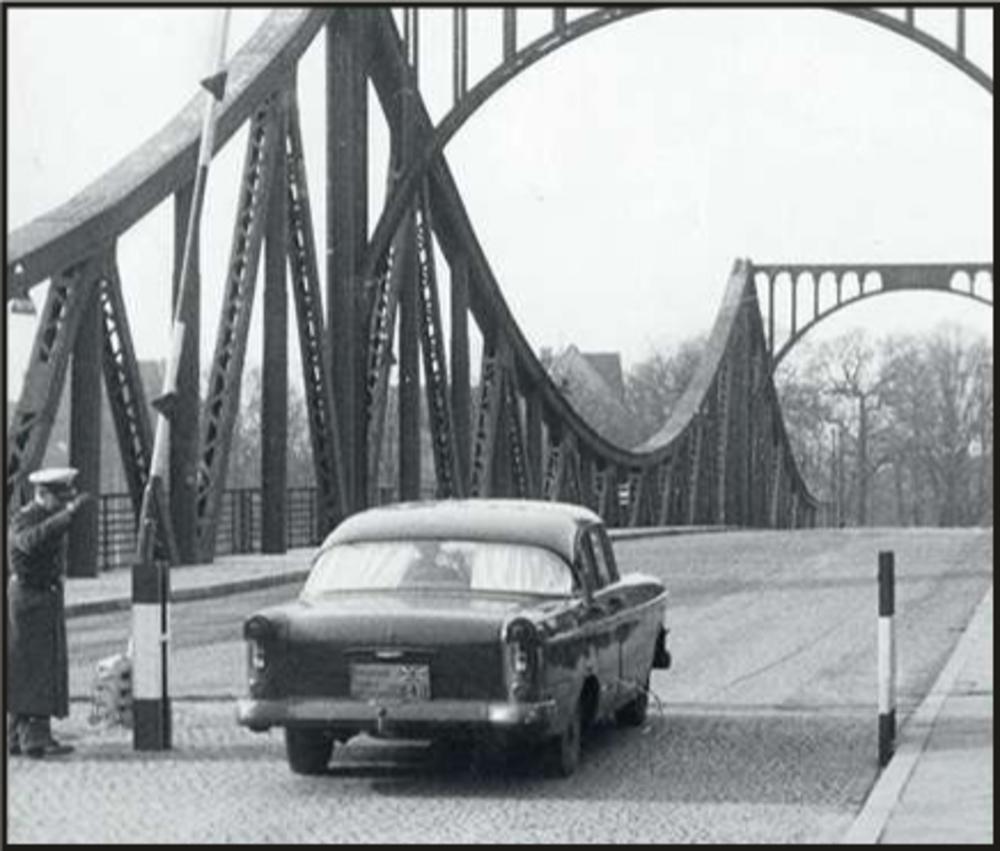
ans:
x=414 y=645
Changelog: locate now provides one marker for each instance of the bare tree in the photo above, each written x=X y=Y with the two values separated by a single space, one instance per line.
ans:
x=849 y=375
x=654 y=386
x=940 y=394
x=902 y=431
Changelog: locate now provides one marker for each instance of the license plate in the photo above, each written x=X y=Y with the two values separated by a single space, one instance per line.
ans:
x=390 y=682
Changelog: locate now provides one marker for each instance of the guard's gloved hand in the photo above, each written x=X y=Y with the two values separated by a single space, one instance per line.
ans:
x=79 y=501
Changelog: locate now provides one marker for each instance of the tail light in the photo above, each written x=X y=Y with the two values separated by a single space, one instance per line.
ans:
x=523 y=659
x=258 y=631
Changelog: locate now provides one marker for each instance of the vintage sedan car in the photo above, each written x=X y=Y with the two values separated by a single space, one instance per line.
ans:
x=490 y=621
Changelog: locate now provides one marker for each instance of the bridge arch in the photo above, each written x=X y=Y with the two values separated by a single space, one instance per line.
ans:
x=563 y=33
x=967 y=280
x=723 y=457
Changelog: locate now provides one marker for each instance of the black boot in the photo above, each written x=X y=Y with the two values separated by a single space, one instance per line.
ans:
x=50 y=748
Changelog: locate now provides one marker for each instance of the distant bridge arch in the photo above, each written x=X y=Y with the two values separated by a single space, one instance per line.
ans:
x=854 y=282
x=563 y=32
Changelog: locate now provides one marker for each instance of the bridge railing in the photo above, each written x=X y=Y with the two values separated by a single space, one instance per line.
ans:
x=240 y=527
x=239 y=524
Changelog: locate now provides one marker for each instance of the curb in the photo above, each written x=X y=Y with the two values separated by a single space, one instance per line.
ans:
x=871 y=821
x=665 y=531
x=185 y=595
x=239 y=586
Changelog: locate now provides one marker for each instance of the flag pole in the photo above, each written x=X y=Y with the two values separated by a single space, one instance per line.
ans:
x=150 y=575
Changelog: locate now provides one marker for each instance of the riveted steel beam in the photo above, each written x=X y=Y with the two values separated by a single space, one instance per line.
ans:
x=85 y=439
x=381 y=333
x=617 y=514
x=572 y=490
x=666 y=490
x=501 y=476
x=520 y=470
x=509 y=33
x=129 y=410
x=603 y=490
x=126 y=393
x=222 y=397
x=460 y=54
x=442 y=429
x=695 y=441
x=776 y=488
x=487 y=415
x=637 y=496
x=324 y=428
x=533 y=427
x=461 y=401
x=555 y=466
x=742 y=424
x=348 y=304
x=588 y=491
x=68 y=299
x=274 y=369
x=723 y=385
x=409 y=375
x=653 y=496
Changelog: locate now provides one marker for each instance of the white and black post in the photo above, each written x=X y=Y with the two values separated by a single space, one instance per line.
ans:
x=886 y=657
x=151 y=576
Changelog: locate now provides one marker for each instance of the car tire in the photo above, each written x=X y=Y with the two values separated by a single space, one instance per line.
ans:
x=635 y=712
x=564 y=754
x=308 y=750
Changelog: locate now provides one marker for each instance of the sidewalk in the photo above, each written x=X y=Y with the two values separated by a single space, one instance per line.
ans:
x=234 y=574
x=938 y=787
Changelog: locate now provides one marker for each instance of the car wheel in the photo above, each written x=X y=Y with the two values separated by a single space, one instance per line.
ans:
x=633 y=713
x=564 y=756
x=308 y=750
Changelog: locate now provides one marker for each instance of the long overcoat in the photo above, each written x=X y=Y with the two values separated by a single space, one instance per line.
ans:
x=37 y=663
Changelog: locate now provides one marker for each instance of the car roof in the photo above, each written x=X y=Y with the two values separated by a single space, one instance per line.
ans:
x=552 y=525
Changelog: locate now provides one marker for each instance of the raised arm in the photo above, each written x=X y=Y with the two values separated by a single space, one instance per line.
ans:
x=31 y=537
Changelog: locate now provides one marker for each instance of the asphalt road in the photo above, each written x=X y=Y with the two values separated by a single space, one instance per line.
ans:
x=764 y=730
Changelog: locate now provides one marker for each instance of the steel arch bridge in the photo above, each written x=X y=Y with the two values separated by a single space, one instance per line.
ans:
x=722 y=458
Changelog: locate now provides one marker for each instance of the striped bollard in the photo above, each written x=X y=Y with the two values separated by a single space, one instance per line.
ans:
x=886 y=658
x=151 y=729
x=150 y=575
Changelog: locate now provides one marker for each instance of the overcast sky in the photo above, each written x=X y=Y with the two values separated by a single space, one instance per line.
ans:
x=612 y=185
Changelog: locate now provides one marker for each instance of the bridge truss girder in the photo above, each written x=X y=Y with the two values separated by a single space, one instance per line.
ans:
x=722 y=458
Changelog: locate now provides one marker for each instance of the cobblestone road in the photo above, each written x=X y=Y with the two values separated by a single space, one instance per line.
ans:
x=747 y=776
x=767 y=732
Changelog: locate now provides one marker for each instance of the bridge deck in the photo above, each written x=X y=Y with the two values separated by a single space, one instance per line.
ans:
x=111 y=590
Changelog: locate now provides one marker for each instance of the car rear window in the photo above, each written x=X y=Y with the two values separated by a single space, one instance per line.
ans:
x=438 y=565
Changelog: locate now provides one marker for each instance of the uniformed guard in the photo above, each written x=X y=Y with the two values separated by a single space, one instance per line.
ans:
x=37 y=664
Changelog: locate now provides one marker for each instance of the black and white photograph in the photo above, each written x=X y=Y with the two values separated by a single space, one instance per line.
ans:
x=498 y=424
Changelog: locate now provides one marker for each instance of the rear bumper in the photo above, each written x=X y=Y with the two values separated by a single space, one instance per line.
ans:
x=411 y=718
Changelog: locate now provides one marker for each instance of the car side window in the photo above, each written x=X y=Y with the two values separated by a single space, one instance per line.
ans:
x=603 y=561
x=586 y=565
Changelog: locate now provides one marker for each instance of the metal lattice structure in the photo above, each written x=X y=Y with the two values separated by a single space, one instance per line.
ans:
x=722 y=458
x=848 y=283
